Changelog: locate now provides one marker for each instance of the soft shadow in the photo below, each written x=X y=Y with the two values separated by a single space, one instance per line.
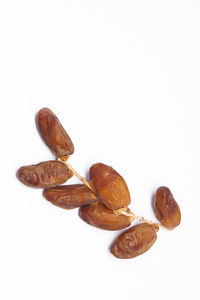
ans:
x=153 y=197
x=87 y=176
x=116 y=235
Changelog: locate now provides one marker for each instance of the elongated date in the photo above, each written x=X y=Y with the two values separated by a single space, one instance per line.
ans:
x=110 y=187
x=69 y=196
x=134 y=241
x=98 y=215
x=53 y=133
x=166 y=208
x=45 y=174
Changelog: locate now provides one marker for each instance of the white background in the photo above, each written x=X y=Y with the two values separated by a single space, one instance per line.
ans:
x=123 y=78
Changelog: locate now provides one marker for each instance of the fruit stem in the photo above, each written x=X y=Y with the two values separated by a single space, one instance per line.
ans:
x=121 y=211
x=77 y=174
x=132 y=216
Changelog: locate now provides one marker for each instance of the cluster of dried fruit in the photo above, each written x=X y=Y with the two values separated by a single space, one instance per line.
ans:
x=104 y=201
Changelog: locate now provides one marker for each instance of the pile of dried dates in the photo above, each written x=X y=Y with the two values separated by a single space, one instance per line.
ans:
x=104 y=200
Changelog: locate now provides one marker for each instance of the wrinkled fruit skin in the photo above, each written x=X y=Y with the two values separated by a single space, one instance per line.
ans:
x=110 y=187
x=166 y=208
x=69 y=196
x=45 y=174
x=53 y=134
x=98 y=215
x=134 y=241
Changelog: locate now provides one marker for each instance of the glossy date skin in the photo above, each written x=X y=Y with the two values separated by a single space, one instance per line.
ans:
x=166 y=208
x=53 y=133
x=98 y=215
x=109 y=186
x=134 y=241
x=45 y=174
x=69 y=196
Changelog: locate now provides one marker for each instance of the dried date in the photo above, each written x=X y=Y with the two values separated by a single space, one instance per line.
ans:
x=44 y=174
x=104 y=201
x=53 y=133
x=166 y=208
x=134 y=241
x=109 y=186
x=69 y=196
x=98 y=215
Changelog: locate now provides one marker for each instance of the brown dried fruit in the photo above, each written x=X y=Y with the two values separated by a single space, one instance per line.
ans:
x=69 y=196
x=134 y=241
x=110 y=187
x=53 y=134
x=45 y=174
x=166 y=208
x=102 y=217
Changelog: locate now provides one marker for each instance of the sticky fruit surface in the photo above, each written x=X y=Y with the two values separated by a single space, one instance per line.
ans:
x=109 y=186
x=134 y=241
x=166 y=208
x=45 y=174
x=69 y=196
x=98 y=215
x=53 y=133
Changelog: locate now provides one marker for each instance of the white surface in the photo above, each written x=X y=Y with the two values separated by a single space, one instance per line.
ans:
x=123 y=78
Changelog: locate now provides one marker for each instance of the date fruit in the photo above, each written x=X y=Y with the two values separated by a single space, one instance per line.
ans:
x=134 y=241
x=166 y=208
x=53 y=134
x=69 y=196
x=45 y=174
x=109 y=186
x=98 y=215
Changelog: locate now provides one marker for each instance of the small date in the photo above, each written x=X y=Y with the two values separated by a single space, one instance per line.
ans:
x=166 y=208
x=109 y=186
x=45 y=174
x=98 y=215
x=69 y=196
x=53 y=133
x=134 y=241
